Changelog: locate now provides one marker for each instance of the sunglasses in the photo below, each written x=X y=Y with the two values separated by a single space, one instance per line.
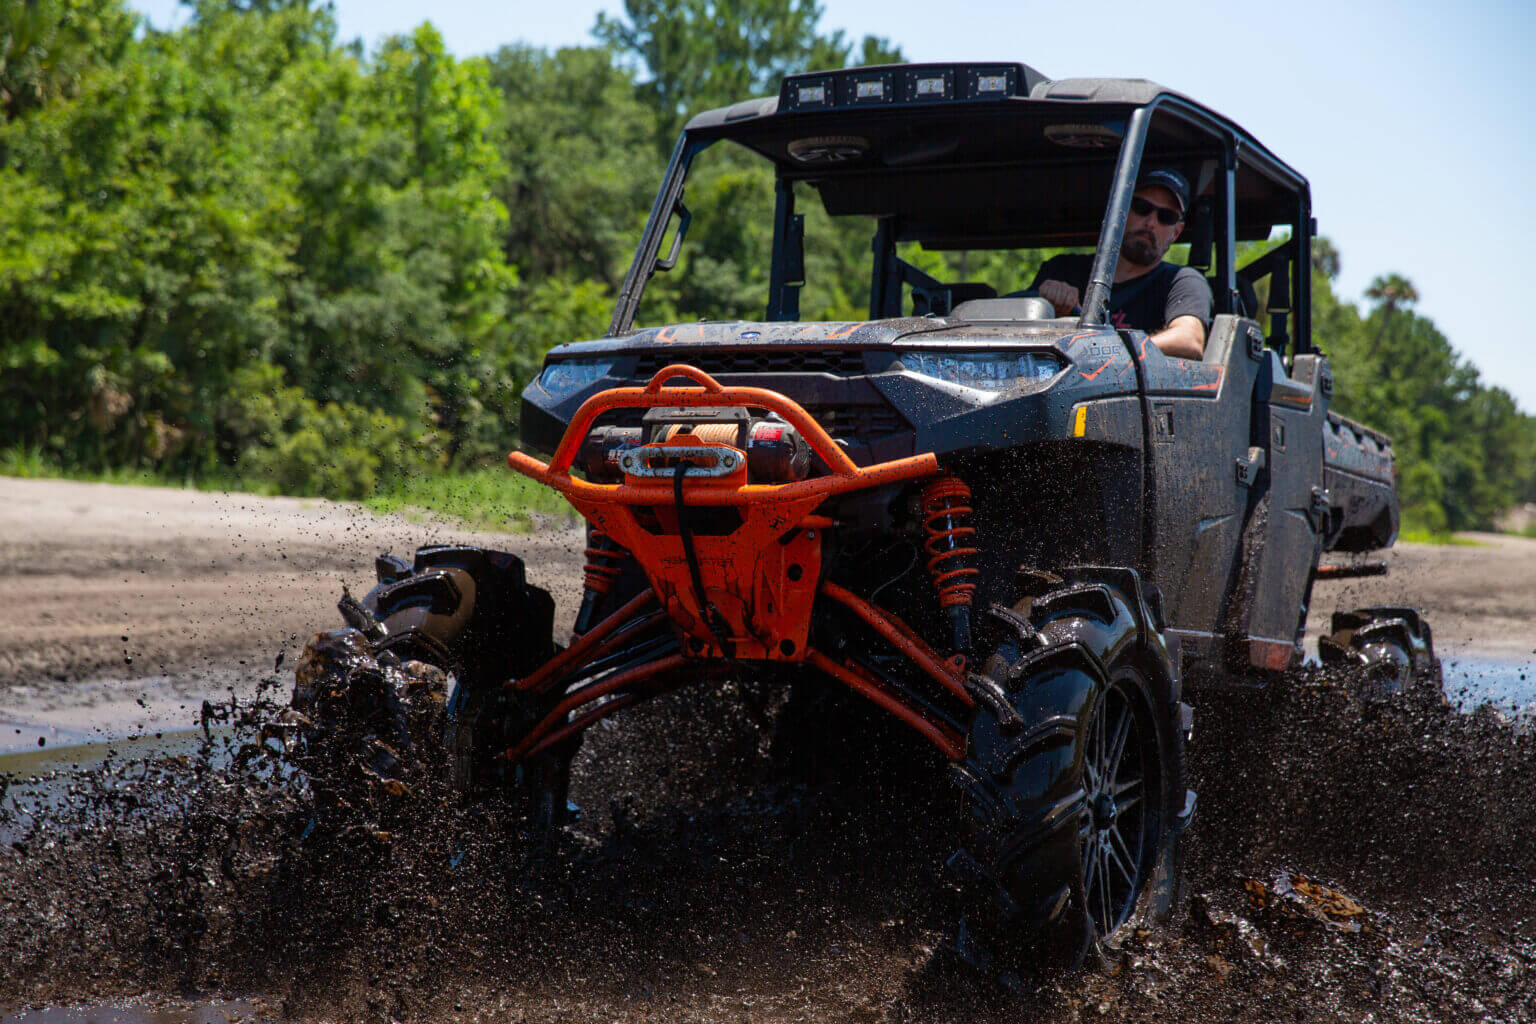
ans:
x=1165 y=216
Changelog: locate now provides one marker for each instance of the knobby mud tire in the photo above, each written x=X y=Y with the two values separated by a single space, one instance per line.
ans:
x=1047 y=815
x=1388 y=651
x=414 y=686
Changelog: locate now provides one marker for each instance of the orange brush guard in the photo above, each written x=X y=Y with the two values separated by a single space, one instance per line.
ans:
x=758 y=578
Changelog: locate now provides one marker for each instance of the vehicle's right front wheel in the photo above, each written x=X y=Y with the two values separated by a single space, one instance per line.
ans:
x=1074 y=783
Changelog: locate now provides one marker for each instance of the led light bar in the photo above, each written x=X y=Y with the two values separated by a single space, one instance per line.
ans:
x=906 y=84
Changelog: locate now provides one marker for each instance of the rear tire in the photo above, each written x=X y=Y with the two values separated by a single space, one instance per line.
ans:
x=1390 y=650
x=1075 y=801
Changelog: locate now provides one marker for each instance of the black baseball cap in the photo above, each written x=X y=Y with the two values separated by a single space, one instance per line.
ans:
x=1171 y=180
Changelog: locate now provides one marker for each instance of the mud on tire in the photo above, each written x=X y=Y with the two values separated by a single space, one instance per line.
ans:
x=1390 y=650
x=414 y=685
x=1075 y=781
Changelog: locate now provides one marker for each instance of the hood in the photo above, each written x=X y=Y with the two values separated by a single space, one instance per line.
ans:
x=840 y=334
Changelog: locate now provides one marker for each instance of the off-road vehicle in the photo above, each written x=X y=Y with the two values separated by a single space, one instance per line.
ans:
x=1031 y=539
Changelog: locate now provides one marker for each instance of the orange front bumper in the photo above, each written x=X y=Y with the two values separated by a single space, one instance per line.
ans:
x=759 y=576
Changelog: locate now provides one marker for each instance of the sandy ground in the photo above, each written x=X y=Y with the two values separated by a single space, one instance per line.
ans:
x=126 y=606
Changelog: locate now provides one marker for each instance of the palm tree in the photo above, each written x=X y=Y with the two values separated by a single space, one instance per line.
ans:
x=1391 y=291
x=1325 y=257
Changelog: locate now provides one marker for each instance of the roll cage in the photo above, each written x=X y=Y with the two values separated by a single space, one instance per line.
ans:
x=1029 y=164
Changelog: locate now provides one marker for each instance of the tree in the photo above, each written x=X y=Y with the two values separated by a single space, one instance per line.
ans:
x=1391 y=291
x=1325 y=258
x=699 y=54
x=47 y=47
x=579 y=173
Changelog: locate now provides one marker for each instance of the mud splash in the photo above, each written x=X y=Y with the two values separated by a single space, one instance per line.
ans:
x=1347 y=860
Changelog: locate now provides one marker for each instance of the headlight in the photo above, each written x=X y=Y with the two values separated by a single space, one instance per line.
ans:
x=569 y=376
x=984 y=371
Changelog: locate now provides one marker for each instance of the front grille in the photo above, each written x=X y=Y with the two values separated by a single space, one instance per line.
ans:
x=717 y=362
x=858 y=424
x=861 y=420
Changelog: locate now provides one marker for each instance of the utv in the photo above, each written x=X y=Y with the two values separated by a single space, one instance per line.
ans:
x=1031 y=539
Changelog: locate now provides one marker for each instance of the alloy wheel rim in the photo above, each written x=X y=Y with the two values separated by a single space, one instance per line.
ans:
x=1114 y=834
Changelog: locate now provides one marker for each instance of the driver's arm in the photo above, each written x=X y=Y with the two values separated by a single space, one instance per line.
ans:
x=1185 y=314
x=1184 y=338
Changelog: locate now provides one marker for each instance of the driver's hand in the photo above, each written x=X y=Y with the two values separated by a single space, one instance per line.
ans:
x=1061 y=295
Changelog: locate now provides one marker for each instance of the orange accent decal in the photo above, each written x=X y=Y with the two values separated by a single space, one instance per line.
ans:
x=846 y=330
x=1095 y=373
x=1211 y=385
x=667 y=334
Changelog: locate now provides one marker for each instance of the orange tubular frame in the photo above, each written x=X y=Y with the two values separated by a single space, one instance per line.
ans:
x=845 y=475
x=947 y=740
x=777 y=518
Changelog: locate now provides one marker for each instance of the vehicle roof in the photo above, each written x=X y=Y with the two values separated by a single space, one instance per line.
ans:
x=1029 y=168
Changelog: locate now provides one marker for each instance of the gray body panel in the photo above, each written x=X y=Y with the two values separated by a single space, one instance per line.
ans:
x=1242 y=456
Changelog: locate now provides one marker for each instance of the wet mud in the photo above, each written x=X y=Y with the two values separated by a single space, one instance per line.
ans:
x=1349 y=861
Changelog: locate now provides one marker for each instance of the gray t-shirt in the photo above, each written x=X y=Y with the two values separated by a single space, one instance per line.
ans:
x=1147 y=306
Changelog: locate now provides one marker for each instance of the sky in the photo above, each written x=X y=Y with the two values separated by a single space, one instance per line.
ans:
x=1412 y=120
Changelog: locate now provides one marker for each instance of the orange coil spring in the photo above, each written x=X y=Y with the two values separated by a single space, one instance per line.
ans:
x=604 y=557
x=946 y=509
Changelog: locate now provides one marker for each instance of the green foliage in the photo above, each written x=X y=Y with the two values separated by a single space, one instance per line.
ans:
x=273 y=431
x=494 y=498
x=1465 y=452
x=47 y=47
x=242 y=252
x=240 y=193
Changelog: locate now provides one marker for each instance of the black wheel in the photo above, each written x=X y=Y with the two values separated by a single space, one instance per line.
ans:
x=1388 y=652
x=414 y=687
x=1121 y=780
x=1074 y=780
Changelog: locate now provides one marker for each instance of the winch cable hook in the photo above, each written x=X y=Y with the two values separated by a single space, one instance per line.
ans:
x=714 y=621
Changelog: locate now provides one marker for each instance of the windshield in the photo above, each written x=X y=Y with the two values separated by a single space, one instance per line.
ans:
x=851 y=215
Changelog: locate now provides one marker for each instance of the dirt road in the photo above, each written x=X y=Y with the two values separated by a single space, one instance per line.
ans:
x=129 y=604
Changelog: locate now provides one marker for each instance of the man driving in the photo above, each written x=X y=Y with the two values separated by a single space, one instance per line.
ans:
x=1169 y=302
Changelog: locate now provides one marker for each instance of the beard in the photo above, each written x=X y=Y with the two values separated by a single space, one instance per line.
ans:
x=1141 y=249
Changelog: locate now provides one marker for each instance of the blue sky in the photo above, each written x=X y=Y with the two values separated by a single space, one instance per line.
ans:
x=1412 y=120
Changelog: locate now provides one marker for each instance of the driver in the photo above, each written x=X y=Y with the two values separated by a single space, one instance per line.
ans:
x=1169 y=302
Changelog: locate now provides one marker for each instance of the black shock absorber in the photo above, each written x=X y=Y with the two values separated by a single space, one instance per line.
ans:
x=951 y=556
x=605 y=558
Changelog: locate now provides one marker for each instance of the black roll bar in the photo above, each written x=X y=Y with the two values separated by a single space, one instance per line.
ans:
x=644 y=264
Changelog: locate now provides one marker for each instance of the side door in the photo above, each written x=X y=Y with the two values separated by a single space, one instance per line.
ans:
x=1287 y=508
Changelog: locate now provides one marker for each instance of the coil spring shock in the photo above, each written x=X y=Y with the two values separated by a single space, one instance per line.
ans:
x=605 y=558
x=946 y=514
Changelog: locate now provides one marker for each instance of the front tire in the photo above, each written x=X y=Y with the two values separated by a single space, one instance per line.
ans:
x=1076 y=798
x=453 y=612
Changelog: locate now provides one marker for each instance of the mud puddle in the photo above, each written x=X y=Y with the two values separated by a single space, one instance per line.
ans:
x=1348 y=862
x=43 y=782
